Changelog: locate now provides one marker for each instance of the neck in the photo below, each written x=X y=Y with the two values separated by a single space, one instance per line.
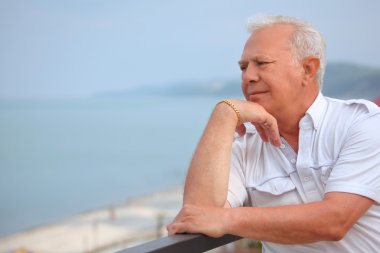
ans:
x=288 y=120
x=289 y=129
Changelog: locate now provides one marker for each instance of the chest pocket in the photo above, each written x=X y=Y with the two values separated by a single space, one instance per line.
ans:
x=274 y=192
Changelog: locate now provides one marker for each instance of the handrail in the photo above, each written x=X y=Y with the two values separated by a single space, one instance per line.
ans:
x=182 y=243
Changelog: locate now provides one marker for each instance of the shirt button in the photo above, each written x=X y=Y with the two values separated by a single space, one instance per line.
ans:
x=306 y=179
x=282 y=146
x=293 y=160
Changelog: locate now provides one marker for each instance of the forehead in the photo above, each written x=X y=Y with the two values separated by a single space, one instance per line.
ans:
x=269 y=41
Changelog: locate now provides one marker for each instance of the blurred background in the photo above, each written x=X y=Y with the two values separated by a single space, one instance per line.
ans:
x=102 y=102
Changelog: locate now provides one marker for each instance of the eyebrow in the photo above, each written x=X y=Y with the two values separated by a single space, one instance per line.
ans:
x=257 y=58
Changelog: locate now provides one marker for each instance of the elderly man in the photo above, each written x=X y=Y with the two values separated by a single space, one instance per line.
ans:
x=306 y=176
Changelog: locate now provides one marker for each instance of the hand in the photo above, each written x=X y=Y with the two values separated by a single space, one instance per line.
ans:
x=264 y=122
x=210 y=221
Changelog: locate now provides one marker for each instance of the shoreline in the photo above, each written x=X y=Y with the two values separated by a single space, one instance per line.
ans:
x=113 y=227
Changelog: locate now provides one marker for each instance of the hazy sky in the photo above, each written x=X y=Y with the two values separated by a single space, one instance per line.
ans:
x=74 y=48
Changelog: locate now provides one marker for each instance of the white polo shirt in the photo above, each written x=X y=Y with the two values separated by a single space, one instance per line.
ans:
x=339 y=151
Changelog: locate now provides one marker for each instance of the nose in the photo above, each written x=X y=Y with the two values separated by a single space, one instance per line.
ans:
x=250 y=75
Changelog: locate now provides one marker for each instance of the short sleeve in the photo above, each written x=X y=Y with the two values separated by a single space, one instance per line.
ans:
x=357 y=169
x=237 y=193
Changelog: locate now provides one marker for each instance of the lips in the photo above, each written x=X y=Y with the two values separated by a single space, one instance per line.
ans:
x=257 y=93
x=254 y=96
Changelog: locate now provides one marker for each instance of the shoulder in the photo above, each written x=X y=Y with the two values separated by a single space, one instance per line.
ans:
x=361 y=119
x=357 y=106
x=352 y=111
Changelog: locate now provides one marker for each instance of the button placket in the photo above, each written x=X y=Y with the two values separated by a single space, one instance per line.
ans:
x=289 y=154
x=303 y=163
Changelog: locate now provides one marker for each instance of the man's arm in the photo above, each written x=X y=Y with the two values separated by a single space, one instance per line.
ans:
x=207 y=180
x=327 y=220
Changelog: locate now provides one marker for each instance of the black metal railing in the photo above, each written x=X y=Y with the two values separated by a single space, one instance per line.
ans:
x=182 y=243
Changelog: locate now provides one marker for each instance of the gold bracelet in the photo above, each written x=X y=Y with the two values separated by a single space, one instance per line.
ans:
x=233 y=107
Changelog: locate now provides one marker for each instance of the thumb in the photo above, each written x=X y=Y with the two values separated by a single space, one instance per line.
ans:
x=241 y=130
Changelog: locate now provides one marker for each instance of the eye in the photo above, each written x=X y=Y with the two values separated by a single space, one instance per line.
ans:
x=261 y=63
x=243 y=67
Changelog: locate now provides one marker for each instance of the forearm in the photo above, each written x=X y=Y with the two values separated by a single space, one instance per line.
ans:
x=327 y=220
x=207 y=179
x=285 y=224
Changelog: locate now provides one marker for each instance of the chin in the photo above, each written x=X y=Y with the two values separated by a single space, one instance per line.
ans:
x=263 y=103
x=255 y=99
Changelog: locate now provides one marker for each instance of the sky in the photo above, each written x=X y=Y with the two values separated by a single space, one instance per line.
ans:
x=78 y=48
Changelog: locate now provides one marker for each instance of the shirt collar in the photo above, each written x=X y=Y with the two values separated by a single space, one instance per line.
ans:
x=314 y=114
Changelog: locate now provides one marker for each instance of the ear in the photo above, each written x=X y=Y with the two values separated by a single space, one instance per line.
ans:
x=310 y=66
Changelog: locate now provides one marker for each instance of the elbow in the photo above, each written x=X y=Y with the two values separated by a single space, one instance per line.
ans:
x=336 y=233
x=335 y=226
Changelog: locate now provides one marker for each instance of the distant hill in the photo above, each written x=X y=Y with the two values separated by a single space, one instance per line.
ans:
x=342 y=80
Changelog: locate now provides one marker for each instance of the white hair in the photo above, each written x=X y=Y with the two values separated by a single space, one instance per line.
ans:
x=305 y=40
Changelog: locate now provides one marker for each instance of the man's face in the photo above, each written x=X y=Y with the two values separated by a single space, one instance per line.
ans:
x=269 y=75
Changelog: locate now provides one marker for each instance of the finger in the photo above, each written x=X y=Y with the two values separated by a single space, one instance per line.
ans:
x=241 y=130
x=271 y=129
x=261 y=132
x=177 y=228
x=171 y=229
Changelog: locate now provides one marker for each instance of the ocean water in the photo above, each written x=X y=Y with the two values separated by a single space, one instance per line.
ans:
x=59 y=158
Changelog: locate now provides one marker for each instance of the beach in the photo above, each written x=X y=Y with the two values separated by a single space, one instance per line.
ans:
x=103 y=230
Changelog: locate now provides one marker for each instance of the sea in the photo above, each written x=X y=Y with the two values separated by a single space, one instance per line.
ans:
x=63 y=157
